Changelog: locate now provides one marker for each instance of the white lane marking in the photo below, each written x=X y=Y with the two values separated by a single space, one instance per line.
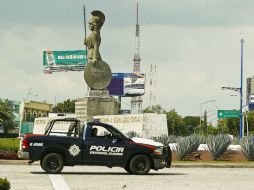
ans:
x=58 y=182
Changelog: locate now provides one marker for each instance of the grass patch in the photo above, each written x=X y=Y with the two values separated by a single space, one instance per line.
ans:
x=9 y=144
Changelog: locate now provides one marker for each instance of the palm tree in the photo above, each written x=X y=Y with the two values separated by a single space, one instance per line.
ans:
x=6 y=117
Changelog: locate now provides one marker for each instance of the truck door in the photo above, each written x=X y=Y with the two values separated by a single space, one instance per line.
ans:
x=67 y=136
x=102 y=146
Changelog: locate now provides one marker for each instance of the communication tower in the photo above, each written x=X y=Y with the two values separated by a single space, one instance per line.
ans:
x=136 y=102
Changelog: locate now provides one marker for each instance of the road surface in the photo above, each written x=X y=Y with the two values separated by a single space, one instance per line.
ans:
x=25 y=177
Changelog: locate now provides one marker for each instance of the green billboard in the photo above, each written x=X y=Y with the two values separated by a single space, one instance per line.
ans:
x=74 y=60
x=228 y=114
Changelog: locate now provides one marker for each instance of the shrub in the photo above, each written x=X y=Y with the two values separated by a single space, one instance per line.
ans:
x=131 y=134
x=247 y=147
x=4 y=184
x=236 y=141
x=171 y=139
x=187 y=145
x=217 y=145
x=164 y=139
x=9 y=155
x=9 y=144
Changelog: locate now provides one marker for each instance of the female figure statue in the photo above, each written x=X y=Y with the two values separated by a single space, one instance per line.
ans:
x=97 y=73
x=93 y=41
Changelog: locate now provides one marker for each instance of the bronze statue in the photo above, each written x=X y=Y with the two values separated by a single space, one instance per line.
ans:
x=93 y=41
x=97 y=73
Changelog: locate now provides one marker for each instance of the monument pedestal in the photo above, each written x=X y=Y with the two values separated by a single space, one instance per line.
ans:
x=97 y=103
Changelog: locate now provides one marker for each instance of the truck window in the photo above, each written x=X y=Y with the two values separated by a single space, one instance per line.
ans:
x=100 y=132
x=64 y=128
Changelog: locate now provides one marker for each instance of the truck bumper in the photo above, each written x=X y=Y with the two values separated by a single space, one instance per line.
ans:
x=23 y=155
x=159 y=163
x=164 y=160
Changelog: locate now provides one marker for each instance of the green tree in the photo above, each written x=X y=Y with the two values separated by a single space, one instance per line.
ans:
x=212 y=130
x=154 y=109
x=233 y=126
x=176 y=124
x=204 y=126
x=6 y=117
x=229 y=126
x=250 y=117
x=68 y=106
x=191 y=123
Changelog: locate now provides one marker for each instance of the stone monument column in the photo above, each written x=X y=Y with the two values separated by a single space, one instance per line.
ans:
x=97 y=75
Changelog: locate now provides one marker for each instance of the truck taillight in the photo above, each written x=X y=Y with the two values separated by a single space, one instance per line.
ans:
x=25 y=144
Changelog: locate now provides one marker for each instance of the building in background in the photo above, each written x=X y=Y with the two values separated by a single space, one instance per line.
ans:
x=31 y=110
x=250 y=93
x=249 y=90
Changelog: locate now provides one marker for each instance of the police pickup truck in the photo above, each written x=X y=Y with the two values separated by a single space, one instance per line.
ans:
x=68 y=143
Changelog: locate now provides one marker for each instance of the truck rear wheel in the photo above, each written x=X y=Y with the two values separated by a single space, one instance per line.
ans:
x=52 y=163
x=140 y=164
x=169 y=157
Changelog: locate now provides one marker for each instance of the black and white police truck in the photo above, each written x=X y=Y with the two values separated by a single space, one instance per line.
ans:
x=67 y=142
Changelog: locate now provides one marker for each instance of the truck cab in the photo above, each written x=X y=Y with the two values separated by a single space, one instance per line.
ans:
x=68 y=142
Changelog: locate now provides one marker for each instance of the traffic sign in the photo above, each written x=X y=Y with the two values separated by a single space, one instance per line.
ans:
x=228 y=114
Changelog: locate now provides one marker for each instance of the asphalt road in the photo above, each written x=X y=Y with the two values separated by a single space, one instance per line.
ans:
x=86 y=177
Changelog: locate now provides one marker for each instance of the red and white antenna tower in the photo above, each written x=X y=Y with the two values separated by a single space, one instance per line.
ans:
x=136 y=102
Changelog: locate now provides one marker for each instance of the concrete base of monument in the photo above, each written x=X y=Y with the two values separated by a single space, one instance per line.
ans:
x=146 y=125
x=99 y=93
x=87 y=107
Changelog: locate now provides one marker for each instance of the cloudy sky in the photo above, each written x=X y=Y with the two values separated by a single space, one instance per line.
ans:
x=194 y=43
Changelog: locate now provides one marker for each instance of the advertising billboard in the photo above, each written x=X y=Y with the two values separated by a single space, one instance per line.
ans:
x=251 y=106
x=115 y=87
x=134 y=85
x=127 y=85
x=55 y=61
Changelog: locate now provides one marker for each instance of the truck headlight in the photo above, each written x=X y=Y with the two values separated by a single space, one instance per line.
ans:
x=158 y=151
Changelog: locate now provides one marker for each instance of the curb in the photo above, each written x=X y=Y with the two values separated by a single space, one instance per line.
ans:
x=212 y=165
x=16 y=162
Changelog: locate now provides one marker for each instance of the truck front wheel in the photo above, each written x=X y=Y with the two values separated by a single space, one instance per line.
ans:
x=52 y=163
x=127 y=169
x=140 y=164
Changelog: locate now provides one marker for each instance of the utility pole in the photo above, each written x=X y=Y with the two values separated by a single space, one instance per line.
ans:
x=241 y=91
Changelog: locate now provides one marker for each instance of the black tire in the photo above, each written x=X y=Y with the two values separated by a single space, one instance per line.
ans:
x=140 y=164
x=169 y=157
x=127 y=169
x=52 y=163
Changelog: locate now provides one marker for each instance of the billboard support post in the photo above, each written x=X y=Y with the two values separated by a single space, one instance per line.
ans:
x=119 y=102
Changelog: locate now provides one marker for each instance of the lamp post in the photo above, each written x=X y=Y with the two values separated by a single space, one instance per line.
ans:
x=201 y=105
x=241 y=91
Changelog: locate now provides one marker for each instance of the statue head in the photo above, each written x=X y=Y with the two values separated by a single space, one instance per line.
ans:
x=97 y=20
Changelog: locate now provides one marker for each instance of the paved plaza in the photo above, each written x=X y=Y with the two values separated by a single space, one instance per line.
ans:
x=25 y=177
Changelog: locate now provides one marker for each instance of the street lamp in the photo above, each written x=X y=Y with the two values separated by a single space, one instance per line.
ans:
x=240 y=90
x=201 y=105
